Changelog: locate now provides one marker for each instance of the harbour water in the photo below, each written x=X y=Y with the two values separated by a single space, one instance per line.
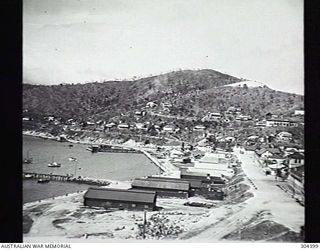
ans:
x=111 y=166
x=34 y=191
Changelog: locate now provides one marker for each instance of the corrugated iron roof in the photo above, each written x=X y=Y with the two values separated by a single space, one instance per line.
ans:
x=296 y=155
x=199 y=174
x=193 y=182
x=179 y=186
x=121 y=195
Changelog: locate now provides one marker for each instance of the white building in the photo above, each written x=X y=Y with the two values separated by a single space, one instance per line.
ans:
x=280 y=123
x=284 y=136
x=299 y=112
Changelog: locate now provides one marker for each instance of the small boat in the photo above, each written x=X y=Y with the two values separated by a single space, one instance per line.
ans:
x=27 y=160
x=70 y=145
x=43 y=180
x=93 y=148
x=54 y=164
x=28 y=176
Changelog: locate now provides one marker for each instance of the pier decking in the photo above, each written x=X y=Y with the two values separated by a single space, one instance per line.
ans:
x=55 y=177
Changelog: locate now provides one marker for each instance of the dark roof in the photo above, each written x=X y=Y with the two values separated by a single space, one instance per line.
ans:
x=274 y=150
x=296 y=155
x=193 y=182
x=121 y=195
x=202 y=176
x=271 y=150
x=179 y=186
x=198 y=174
x=261 y=151
x=250 y=148
x=281 y=120
x=298 y=172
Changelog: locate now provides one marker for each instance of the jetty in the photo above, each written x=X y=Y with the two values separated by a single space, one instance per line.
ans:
x=66 y=178
x=154 y=160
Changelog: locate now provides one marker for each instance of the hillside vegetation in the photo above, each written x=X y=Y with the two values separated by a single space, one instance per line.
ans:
x=191 y=93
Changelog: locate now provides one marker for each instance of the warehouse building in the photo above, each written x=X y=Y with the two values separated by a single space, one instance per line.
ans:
x=120 y=198
x=204 y=177
x=197 y=187
x=194 y=183
x=163 y=188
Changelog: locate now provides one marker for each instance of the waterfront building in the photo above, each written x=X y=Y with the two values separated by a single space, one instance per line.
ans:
x=120 y=198
x=163 y=188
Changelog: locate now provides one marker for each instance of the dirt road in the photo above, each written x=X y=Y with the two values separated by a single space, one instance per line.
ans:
x=268 y=203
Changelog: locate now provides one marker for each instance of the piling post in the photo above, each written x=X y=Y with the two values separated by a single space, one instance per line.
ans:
x=144 y=223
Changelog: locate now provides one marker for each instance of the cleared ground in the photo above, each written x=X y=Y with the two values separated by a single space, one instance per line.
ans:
x=255 y=209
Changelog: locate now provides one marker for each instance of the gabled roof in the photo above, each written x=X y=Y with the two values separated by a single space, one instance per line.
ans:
x=298 y=172
x=198 y=174
x=296 y=155
x=121 y=195
x=178 y=186
x=193 y=182
x=261 y=151
x=274 y=150
x=250 y=148
x=271 y=150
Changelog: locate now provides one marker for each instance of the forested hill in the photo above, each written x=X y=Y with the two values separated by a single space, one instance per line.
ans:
x=191 y=92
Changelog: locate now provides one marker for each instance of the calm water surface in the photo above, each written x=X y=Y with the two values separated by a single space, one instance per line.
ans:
x=113 y=166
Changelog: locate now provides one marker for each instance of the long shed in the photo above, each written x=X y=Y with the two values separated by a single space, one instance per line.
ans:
x=120 y=198
x=163 y=188
x=194 y=183
x=205 y=178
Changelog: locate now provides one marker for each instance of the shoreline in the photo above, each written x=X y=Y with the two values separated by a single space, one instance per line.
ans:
x=88 y=141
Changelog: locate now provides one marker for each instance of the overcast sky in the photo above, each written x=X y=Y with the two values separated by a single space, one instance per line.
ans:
x=93 y=40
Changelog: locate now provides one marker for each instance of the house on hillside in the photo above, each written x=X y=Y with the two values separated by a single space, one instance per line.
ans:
x=299 y=112
x=140 y=113
x=284 y=136
x=170 y=128
x=243 y=118
x=151 y=105
x=213 y=116
x=280 y=123
x=166 y=105
x=123 y=126
x=232 y=109
x=199 y=128
x=289 y=151
x=295 y=160
x=141 y=126
x=261 y=123
x=265 y=153
x=110 y=125
x=251 y=148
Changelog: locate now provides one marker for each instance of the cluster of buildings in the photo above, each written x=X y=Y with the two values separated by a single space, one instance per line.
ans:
x=285 y=163
x=144 y=192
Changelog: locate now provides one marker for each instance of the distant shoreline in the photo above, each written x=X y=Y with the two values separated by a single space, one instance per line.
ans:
x=43 y=135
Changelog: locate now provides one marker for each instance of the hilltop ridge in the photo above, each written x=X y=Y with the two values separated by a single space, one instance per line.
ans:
x=190 y=93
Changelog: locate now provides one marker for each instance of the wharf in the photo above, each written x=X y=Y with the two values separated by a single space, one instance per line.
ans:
x=67 y=178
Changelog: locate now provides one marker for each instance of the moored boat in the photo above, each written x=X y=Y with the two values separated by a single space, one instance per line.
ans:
x=54 y=165
x=93 y=148
x=43 y=180
x=27 y=176
x=27 y=160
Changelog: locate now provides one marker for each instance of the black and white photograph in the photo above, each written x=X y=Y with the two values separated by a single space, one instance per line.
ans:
x=163 y=121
